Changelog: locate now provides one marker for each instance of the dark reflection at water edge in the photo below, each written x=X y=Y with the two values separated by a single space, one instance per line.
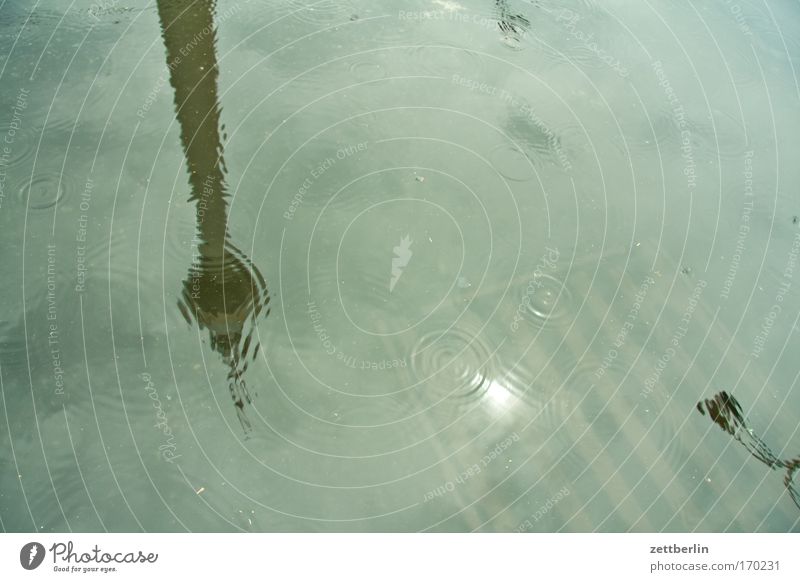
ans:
x=726 y=412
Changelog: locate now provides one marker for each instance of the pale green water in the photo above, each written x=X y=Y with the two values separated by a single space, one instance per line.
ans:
x=465 y=266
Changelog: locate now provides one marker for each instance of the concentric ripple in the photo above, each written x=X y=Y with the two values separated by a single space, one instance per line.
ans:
x=451 y=364
x=43 y=191
x=546 y=302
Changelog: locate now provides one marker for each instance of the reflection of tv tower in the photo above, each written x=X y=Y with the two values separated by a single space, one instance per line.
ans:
x=223 y=293
x=402 y=254
x=34 y=551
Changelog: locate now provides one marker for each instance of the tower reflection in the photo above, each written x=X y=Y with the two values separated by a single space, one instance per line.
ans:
x=224 y=292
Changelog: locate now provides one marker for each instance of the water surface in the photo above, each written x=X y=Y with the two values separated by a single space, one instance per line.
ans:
x=492 y=265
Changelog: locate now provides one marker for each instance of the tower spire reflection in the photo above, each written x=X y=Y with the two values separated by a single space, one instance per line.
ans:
x=224 y=293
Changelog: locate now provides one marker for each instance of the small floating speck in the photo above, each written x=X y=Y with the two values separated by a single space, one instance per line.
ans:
x=199 y=491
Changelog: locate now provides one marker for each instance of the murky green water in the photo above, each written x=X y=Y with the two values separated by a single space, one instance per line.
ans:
x=368 y=266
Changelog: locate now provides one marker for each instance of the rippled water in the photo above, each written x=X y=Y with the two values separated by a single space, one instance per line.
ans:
x=499 y=265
